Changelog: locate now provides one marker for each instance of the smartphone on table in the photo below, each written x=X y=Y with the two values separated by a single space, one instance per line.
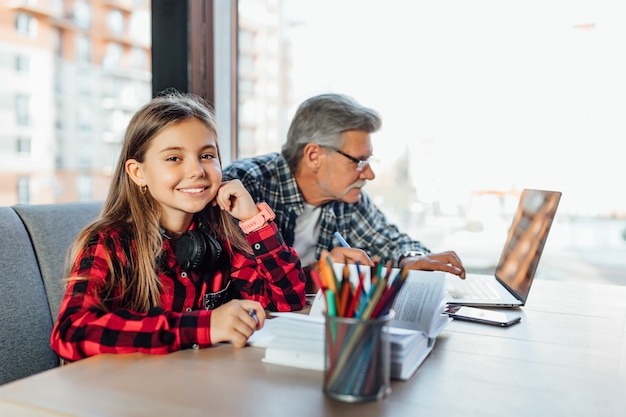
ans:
x=481 y=315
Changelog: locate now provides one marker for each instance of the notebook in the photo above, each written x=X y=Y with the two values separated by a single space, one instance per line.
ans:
x=510 y=285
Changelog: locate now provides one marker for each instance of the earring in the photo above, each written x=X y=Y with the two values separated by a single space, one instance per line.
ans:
x=143 y=189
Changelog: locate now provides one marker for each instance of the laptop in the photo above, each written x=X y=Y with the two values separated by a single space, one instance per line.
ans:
x=515 y=272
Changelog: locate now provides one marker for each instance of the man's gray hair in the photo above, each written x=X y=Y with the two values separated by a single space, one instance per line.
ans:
x=322 y=119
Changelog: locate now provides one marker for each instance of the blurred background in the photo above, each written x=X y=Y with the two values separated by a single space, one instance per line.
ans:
x=479 y=100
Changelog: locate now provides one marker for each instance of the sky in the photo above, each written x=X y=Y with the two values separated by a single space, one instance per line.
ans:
x=484 y=94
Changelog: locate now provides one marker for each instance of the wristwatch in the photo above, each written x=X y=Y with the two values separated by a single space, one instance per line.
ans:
x=256 y=222
x=409 y=254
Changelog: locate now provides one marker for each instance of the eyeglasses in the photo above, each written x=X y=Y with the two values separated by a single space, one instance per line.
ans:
x=361 y=164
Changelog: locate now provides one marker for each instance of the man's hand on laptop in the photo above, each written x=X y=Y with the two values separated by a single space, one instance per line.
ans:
x=443 y=261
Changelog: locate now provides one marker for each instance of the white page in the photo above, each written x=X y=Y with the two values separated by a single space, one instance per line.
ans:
x=421 y=301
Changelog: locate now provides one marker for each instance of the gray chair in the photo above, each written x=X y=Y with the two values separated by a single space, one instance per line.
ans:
x=52 y=228
x=25 y=320
x=33 y=245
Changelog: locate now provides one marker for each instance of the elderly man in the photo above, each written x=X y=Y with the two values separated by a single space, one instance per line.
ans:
x=315 y=188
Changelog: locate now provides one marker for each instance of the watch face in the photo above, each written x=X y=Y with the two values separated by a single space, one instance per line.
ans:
x=411 y=254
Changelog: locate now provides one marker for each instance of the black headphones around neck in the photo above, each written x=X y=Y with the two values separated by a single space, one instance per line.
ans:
x=195 y=248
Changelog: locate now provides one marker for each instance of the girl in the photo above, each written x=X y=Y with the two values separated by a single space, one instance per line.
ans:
x=166 y=266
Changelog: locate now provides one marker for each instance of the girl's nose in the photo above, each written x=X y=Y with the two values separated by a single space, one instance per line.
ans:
x=195 y=170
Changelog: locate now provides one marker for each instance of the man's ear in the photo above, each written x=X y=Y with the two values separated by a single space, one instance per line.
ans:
x=312 y=155
x=135 y=172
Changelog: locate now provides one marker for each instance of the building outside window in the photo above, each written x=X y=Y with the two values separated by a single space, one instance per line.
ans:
x=55 y=94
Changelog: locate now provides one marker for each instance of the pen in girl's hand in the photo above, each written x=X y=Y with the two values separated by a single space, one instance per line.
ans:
x=252 y=313
x=341 y=240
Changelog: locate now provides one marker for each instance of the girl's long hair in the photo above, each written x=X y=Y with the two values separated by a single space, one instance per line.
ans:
x=137 y=215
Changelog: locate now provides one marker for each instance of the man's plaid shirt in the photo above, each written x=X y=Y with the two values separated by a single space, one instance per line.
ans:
x=268 y=178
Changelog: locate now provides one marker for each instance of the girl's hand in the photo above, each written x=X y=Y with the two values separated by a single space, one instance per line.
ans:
x=233 y=197
x=232 y=322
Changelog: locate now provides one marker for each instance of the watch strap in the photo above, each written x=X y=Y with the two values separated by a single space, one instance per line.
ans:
x=410 y=254
x=259 y=220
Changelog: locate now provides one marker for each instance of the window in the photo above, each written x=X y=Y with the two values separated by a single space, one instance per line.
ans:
x=82 y=14
x=22 y=110
x=119 y=121
x=85 y=118
x=23 y=190
x=57 y=7
x=57 y=42
x=83 y=49
x=246 y=40
x=139 y=26
x=115 y=22
x=113 y=56
x=246 y=63
x=23 y=145
x=85 y=157
x=26 y=25
x=22 y=64
x=60 y=158
x=478 y=99
x=246 y=87
x=59 y=113
x=85 y=83
x=85 y=188
x=139 y=58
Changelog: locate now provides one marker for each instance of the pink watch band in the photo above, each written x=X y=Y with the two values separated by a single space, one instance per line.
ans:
x=256 y=222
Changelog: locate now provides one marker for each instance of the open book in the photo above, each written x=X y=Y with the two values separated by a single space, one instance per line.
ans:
x=294 y=339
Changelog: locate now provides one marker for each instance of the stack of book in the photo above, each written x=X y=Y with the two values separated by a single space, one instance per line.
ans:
x=293 y=339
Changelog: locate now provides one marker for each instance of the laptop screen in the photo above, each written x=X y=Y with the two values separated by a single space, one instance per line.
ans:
x=526 y=239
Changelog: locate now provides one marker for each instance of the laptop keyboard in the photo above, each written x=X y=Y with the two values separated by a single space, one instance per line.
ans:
x=473 y=290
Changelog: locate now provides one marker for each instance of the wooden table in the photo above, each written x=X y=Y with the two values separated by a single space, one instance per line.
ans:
x=566 y=358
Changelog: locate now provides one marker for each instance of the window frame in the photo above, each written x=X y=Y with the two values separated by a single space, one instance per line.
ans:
x=199 y=58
